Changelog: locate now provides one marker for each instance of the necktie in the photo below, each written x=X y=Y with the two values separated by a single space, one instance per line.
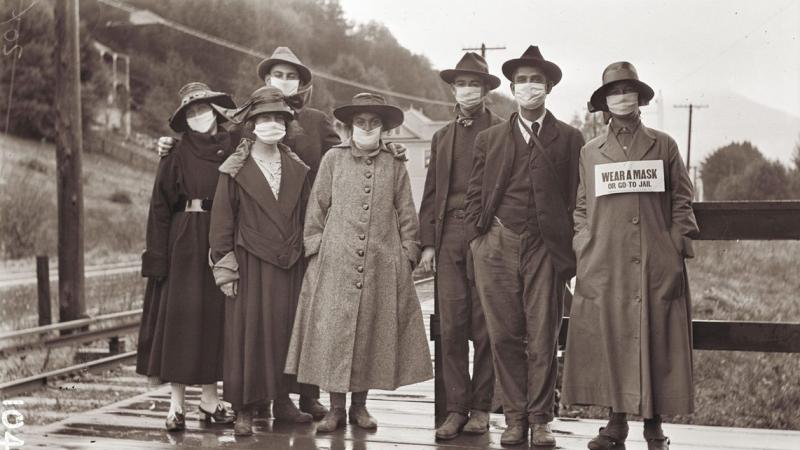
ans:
x=534 y=132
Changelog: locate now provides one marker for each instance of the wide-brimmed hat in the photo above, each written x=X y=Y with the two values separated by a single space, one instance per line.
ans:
x=198 y=92
x=471 y=64
x=619 y=71
x=266 y=99
x=392 y=116
x=286 y=56
x=533 y=58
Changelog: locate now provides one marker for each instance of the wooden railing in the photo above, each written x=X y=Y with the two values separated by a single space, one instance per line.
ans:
x=768 y=220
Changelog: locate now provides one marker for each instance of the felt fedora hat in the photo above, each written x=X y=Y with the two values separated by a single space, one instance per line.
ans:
x=533 y=57
x=198 y=92
x=391 y=115
x=266 y=99
x=619 y=71
x=471 y=64
x=286 y=56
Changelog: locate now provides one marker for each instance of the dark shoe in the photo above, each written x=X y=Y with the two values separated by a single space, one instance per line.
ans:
x=451 y=426
x=478 y=422
x=335 y=419
x=542 y=435
x=243 y=426
x=654 y=435
x=286 y=411
x=314 y=407
x=263 y=411
x=658 y=443
x=176 y=422
x=515 y=434
x=221 y=414
x=609 y=436
x=359 y=415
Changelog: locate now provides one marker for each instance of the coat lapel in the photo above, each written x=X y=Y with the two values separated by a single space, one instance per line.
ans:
x=547 y=136
x=293 y=176
x=643 y=141
x=610 y=147
x=446 y=157
x=253 y=182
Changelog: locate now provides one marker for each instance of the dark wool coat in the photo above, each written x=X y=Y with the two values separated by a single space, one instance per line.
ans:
x=629 y=344
x=554 y=178
x=437 y=182
x=180 y=337
x=359 y=324
x=258 y=241
x=314 y=139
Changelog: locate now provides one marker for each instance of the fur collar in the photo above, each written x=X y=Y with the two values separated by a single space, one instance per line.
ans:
x=236 y=161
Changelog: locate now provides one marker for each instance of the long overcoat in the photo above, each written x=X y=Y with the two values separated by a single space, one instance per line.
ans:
x=258 y=240
x=181 y=333
x=629 y=344
x=359 y=323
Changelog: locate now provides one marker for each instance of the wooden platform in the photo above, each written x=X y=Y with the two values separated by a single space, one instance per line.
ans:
x=405 y=417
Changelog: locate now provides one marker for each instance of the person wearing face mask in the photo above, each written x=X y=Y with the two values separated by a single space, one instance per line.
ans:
x=359 y=323
x=446 y=251
x=520 y=200
x=256 y=250
x=629 y=345
x=181 y=332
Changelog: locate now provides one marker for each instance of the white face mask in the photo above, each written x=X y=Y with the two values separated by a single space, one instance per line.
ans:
x=367 y=140
x=469 y=96
x=530 y=95
x=202 y=123
x=288 y=87
x=623 y=104
x=270 y=132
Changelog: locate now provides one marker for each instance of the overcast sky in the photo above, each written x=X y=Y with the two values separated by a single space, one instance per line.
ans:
x=685 y=48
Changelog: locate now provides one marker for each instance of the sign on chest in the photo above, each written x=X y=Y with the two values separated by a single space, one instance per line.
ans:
x=629 y=176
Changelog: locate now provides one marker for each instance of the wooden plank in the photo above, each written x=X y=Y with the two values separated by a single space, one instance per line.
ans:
x=763 y=220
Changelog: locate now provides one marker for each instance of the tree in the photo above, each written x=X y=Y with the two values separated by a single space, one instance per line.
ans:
x=761 y=180
x=729 y=161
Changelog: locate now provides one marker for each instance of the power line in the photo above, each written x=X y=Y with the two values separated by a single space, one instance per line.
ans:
x=156 y=19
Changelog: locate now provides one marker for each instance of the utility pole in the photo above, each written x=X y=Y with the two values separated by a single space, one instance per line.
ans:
x=691 y=107
x=483 y=49
x=69 y=146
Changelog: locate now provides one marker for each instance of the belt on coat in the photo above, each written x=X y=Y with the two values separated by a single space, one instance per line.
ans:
x=194 y=205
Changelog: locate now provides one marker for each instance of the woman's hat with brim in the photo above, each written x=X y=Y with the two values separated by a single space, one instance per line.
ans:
x=533 y=58
x=615 y=72
x=266 y=99
x=471 y=64
x=283 y=55
x=391 y=116
x=198 y=92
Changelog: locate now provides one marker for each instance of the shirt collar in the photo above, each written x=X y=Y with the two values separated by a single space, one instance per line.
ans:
x=529 y=124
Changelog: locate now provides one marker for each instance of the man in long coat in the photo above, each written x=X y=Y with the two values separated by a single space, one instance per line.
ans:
x=443 y=232
x=520 y=199
x=630 y=345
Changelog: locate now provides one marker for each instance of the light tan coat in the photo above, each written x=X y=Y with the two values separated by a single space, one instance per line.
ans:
x=629 y=344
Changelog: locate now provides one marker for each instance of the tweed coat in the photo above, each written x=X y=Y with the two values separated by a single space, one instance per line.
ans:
x=629 y=344
x=258 y=240
x=359 y=322
x=554 y=179
x=437 y=182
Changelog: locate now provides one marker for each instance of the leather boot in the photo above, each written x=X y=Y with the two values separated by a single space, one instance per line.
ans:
x=335 y=419
x=286 y=411
x=313 y=406
x=542 y=435
x=478 y=422
x=243 y=426
x=359 y=415
x=451 y=427
x=610 y=436
x=516 y=433
x=654 y=435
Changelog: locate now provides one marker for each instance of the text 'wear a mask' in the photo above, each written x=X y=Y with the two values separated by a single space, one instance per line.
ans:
x=530 y=95
x=202 y=123
x=366 y=140
x=270 y=132
x=469 y=96
x=288 y=87
x=623 y=104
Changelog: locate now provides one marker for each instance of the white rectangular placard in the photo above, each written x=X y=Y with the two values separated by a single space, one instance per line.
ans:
x=629 y=176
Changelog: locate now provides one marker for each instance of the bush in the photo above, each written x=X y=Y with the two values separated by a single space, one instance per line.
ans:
x=25 y=209
x=34 y=165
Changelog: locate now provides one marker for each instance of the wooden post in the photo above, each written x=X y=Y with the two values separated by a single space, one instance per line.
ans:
x=43 y=285
x=69 y=146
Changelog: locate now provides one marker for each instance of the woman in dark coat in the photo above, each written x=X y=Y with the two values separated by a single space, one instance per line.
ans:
x=181 y=338
x=256 y=248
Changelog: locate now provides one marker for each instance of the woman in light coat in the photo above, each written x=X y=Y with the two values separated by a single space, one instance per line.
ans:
x=359 y=323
